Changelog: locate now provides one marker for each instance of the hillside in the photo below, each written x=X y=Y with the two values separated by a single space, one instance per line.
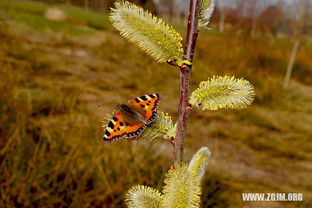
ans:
x=59 y=79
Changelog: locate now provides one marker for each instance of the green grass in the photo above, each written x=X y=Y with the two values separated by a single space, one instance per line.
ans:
x=41 y=24
x=56 y=90
x=27 y=6
x=78 y=21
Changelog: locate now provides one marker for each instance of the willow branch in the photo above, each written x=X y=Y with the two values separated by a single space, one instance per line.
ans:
x=185 y=75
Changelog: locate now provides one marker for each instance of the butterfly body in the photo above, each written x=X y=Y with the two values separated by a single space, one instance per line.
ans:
x=132 y=118
x=131 y=114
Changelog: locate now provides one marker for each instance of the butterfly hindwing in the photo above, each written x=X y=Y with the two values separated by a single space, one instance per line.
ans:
x=117 y=128
x=149 y=103
x=134 y=131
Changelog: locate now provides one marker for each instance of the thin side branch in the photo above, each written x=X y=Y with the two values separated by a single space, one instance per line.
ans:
x=183 y=112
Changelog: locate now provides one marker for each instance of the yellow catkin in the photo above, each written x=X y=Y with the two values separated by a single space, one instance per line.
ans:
x=143 y=197
x=205 y=13
x=223 y=92
x=182 y=189
x=182 y=186
x=150 y=33
x=162 y=127
x=199 y=162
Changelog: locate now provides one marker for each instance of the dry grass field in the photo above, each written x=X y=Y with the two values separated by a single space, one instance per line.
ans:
x=58 y=80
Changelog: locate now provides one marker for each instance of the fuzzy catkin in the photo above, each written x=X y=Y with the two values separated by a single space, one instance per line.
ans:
x=222 y=92
x=150 y=33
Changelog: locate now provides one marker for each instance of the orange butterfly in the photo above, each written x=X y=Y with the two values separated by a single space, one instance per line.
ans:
x=132 y=118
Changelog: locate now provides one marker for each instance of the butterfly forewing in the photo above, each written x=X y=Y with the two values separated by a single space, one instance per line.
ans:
x=149 y=103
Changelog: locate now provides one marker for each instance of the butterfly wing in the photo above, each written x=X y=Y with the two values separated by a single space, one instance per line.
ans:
x=117 y=128
x=149 y=103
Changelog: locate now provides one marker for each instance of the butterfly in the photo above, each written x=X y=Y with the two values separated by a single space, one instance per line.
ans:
x=132 y=118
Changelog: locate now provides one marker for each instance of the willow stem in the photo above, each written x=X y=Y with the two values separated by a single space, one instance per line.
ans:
x=185 y=75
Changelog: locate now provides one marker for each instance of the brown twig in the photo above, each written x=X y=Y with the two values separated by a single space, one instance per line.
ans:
x=183 y=112
x=173 y=63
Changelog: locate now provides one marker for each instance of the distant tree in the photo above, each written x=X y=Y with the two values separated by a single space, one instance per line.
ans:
x=308 y=25
x=146 y=4
x=272 y=19
x=298 y=31
x=86 y=4
x=243 y=19
x=252 y=13
x=225 y=11
x=104 y=4
x=167 y=7
x=222 y=15
x=247 y=14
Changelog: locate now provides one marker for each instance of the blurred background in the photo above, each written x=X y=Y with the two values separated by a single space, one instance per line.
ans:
x=63 y=68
